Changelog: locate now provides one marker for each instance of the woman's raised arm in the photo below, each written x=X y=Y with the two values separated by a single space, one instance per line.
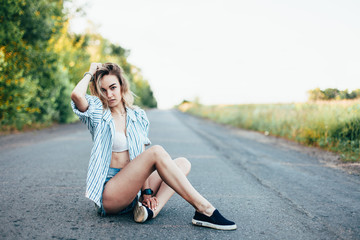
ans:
x=78 y=94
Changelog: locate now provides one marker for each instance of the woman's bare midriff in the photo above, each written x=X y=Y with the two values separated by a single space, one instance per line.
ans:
x=119 y=159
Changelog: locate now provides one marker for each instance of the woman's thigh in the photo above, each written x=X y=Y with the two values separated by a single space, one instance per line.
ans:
x=121 y=190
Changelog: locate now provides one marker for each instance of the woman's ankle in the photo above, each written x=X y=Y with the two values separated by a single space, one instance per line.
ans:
x=206 y=210
x=155 y=212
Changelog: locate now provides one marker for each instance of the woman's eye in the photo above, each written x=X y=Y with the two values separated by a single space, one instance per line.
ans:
x=112 y=88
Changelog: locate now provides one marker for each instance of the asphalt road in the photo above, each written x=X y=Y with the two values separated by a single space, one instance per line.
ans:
x=269 y=188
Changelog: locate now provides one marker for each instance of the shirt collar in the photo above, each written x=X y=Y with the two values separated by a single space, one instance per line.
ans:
x=107 y=115
x=130 y=112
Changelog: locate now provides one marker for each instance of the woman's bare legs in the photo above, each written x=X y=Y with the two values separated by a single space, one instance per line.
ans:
x=162 y=191
x=120 y=191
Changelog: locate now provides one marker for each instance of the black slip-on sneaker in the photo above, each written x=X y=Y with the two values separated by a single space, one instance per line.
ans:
x=216 y=221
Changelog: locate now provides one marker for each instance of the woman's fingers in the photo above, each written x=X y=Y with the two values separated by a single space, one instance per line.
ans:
x=156 y=202
x=94 y=67
x=151 y=203
x=146 y=202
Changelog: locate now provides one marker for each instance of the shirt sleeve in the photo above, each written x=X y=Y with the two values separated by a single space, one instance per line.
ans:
x=92 y=115
x=144 y=122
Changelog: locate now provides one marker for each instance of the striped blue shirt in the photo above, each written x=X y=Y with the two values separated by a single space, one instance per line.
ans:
x=102 y=128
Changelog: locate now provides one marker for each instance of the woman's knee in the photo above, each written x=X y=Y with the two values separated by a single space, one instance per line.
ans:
x=158 y=152
x=183 y=164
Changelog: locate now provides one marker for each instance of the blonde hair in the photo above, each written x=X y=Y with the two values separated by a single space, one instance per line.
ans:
x=115 y=70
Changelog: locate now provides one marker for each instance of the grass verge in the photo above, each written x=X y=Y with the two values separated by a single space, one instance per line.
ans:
x=331 y=125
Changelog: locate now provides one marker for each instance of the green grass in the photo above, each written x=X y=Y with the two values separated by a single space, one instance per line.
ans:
x=331 y=125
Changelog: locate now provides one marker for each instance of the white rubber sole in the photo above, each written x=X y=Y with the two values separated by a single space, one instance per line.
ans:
x=215 y=226
x=140 y=213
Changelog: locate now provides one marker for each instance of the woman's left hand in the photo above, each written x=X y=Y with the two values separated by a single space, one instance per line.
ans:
x=150 y=202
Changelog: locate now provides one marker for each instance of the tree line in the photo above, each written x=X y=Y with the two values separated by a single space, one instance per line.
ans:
x=41 y=61
x=332 y=94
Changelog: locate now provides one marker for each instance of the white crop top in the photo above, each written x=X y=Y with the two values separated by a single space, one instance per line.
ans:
x=120 y=143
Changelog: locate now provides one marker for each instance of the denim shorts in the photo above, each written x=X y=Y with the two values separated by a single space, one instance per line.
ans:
x=100 y=210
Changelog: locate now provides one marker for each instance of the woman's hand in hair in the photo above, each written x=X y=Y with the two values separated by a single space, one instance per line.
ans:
x=94 y=67
x=79 y=92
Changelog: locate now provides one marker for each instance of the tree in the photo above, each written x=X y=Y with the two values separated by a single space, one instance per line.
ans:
x=355 y=94
x=331 y=93
x=40 y=62
x=344 y=95
x=26 y=27
x=316 y=94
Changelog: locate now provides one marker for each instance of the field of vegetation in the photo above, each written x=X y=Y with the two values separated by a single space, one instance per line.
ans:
x=331 y=125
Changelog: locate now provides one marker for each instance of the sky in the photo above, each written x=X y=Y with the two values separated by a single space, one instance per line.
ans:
x=233 y=51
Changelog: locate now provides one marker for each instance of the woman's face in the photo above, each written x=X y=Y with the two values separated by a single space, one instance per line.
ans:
x=111 y=88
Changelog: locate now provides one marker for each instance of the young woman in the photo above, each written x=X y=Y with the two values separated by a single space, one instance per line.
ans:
x=122 y=175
